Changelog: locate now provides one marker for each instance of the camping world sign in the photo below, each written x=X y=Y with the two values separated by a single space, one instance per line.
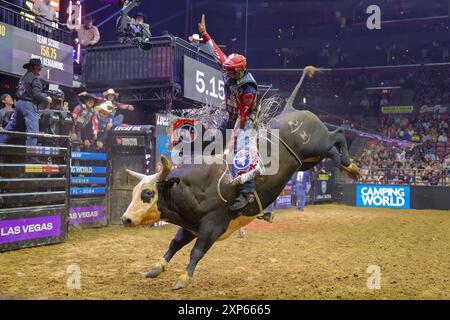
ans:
x=383 y=196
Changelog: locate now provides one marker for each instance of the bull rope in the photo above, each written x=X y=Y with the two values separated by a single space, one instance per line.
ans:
x=292 y=152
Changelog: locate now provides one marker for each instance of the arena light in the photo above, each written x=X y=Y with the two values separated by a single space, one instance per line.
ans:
x=75 y=10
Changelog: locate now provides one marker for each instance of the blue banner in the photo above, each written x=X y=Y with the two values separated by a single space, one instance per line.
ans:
x=383 y=196
x=87 y=170
x=89 y=156
x=87 y=180
x=85 y=191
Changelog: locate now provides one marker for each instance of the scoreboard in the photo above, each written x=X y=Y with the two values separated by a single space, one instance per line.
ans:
x=203 y=83
x=18 y=46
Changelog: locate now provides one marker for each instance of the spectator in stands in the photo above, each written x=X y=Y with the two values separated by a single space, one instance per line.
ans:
x=45 y=12
x=7 y=110
x=443 y=136
x=88 y=34
x=384 y=101
x=85 y=122
x=365 y=105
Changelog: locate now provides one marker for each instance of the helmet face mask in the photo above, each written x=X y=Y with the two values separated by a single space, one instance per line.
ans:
x=235 y=66
x=235 y=74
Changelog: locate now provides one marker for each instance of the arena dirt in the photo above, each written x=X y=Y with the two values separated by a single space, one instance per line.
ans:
x=322 y=253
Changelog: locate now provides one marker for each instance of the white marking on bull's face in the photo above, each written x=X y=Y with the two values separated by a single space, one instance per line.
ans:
x=143 y=209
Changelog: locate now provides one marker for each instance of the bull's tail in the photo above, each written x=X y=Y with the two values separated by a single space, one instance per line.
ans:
x=307 y=71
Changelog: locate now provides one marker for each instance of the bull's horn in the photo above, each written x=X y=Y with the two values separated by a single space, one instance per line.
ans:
x=166 y=166
x=135 y=174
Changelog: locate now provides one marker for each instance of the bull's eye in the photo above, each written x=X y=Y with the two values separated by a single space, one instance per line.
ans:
x=147 y=195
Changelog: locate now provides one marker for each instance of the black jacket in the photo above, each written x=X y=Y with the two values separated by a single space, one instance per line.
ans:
x=30 y=89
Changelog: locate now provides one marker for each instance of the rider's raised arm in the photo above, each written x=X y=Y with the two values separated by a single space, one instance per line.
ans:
x=214 y=48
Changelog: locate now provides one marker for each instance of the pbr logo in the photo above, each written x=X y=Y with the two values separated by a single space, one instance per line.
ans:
x=397 y=197
x=241 y=160
x=185 y=131
x=323 y=186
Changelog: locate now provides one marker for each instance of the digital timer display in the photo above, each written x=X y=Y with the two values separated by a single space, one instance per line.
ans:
x=203 y=83
x=18 y=46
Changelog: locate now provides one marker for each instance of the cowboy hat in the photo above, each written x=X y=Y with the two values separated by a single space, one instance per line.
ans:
x=140 y=14
x=32 y=62
x=110 y=91
x=105 y=106
x=195 y=37
x=88 y=18
x=87 y=96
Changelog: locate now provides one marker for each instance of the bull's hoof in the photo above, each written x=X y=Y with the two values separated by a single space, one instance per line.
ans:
x=351 y=171
x=182 y=282
x=157 y=269
x=267 y=216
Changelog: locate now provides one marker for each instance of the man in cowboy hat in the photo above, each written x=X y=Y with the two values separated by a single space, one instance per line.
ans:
x=85 y=121
x=111 y=95
x=139 y=27
x=105 y=123
x=88 y=34
x=29 y=95
x=195 y=40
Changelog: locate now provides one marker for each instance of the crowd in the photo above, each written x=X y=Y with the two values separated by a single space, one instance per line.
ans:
x=382 y=163
x=423 y=158
x=432 y=86
x=423 y=128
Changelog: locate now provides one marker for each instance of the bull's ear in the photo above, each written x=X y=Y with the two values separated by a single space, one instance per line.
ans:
x=135 y=174
x=166 y=166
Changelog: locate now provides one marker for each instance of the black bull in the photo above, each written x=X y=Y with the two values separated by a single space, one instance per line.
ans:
x=187 y=196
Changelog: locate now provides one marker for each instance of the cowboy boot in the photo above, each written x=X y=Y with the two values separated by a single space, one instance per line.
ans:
x=242 y=201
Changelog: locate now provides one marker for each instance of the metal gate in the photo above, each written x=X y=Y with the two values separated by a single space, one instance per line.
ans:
x=34 y=201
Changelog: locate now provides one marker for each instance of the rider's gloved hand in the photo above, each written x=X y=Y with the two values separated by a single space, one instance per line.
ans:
x=202 y=25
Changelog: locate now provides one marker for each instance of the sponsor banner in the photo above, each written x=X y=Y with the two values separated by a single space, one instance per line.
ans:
x=29 y=228
x=85 y=191
x=397 y=109
x=161 y=134
x=89 y=156
x=438 y=108
x=39 y=168
x=383 y=196
x=130 y=141
x=87 y=180
x=87 y=170
x=44 y=151
x=81 y=215
x=323 y=187
x=322 y=191
x=284 y=200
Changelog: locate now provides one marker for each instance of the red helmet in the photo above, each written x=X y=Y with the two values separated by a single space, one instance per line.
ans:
x=235 y=62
